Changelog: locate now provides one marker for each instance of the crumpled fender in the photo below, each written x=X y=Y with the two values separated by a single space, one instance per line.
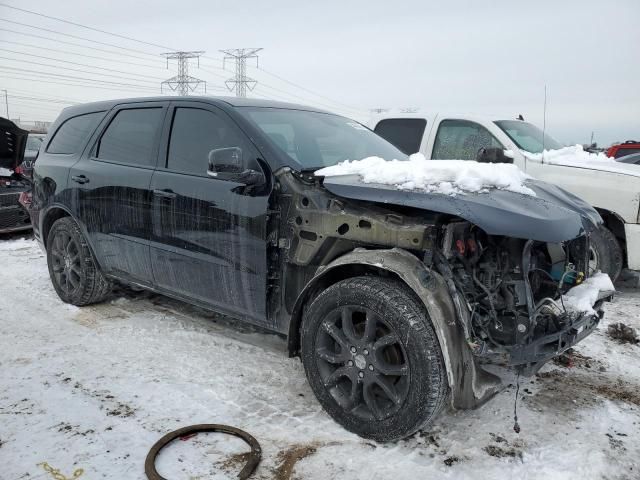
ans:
x=470 y=385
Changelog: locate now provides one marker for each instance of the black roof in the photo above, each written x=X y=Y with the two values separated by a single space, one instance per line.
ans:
x=222 y=101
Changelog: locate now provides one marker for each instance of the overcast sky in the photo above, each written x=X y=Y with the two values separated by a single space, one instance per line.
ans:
x=445 y=56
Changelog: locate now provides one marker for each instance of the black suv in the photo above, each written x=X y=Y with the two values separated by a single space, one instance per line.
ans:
x=390 y=297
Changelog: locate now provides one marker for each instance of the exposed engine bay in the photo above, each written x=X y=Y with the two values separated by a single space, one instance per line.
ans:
x=511 y=291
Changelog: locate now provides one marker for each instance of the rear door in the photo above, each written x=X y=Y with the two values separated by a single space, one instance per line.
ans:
x=111 y=194
x=209 y=235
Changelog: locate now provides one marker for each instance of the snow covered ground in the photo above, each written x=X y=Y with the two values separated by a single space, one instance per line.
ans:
x=94 y=388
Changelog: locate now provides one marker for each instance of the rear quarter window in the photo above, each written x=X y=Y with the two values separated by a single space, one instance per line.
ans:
x=73 y=134
x=405 y=133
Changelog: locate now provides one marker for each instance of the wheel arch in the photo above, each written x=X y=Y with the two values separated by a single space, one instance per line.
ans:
x=56 y=212
x=53 y=213
x=470 y=385
x=615 y=224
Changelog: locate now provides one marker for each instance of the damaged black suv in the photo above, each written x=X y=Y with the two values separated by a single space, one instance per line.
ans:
x=393 y=299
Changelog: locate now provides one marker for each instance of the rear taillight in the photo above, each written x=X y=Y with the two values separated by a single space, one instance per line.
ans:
x=19 y=170
x=25 y=199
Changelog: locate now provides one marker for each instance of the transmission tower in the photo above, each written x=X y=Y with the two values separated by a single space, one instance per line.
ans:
x=183 y=83
x=240 y=82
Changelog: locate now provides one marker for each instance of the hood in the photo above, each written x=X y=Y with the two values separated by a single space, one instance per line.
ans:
x=13 y=141
x=612 y=167
x=553 y=215
x=577 y=157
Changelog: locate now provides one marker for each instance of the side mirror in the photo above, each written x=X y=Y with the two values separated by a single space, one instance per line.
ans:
x=227 y=164
x=493 y=155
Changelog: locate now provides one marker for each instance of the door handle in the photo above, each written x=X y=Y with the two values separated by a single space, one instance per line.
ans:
x=164 y=193
x=80 y=179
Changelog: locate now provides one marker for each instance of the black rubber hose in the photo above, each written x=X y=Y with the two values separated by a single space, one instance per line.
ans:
x=250 y=466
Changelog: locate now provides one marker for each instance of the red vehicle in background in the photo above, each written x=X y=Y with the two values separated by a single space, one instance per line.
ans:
x=623 y=149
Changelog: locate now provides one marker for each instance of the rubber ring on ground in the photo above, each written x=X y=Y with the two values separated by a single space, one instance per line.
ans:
x=250 y=466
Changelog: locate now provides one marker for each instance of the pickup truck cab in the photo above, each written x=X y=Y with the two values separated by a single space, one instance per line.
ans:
x=612 y=188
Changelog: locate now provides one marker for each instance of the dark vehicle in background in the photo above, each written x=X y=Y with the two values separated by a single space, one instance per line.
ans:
x=390 y=298
x=623 y=149
x=34 y=141
x=633 y=159
x=13 y=216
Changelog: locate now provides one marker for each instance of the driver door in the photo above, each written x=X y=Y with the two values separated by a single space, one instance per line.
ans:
x=209 y=234
x=461 y=140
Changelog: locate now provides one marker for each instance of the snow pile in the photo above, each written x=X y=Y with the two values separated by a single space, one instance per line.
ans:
x=582 y=297
x=449 y=177
x=570 y=156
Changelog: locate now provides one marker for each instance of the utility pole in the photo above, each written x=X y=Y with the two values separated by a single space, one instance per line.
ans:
x=240 y=82
x=6 y=102
x=183 y=83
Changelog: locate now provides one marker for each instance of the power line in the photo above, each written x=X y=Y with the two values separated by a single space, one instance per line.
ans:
x=232 y=81
x=307 y=90
x=84 y=26
x=74 y=63
x=183 y=83
x=76 y=37
x=40 y=99
x=240 y=82
x=66 y=52
x=78 y=83
x=73 y=44
x=105 y=82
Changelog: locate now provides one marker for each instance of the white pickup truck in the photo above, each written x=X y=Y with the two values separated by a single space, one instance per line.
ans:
x=612 y=188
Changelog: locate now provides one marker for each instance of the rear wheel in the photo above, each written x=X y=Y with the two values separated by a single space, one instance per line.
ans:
x=74 y=273
x=605 y=253
x=372 y=358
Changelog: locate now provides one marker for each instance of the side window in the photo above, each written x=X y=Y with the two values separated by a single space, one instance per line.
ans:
x=130 y=137
x=283 y=136
x=623 y=152
x=404 y=133
x=194 y=133
x=72 y=135
x=461 y=140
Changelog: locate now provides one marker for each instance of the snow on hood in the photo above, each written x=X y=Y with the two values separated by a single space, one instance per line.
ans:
x=582 y=297
x=576 y=156
x=448 y=177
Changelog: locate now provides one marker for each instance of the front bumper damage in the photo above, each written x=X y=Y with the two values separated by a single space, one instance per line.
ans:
x=531 y=356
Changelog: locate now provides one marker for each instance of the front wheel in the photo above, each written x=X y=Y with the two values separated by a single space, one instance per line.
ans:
x=373 y=359
x=605 y=253
x=74 y=273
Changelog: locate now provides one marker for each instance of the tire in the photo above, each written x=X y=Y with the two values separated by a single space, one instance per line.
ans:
x=74 y=272
x=395 y=382
x=606 y=253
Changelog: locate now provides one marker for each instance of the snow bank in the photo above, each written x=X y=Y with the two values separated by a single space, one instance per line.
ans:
x=449 y=177
x=582 y=297
x=570 y=156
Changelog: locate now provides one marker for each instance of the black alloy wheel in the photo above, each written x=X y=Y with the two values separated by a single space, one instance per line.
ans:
x=362 y=362
x=65 y=262
x=372 y=357
x=74 y=273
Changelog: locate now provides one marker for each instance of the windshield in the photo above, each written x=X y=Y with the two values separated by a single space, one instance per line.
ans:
x=316 y=140
x=33 y=143
x=527 y=137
